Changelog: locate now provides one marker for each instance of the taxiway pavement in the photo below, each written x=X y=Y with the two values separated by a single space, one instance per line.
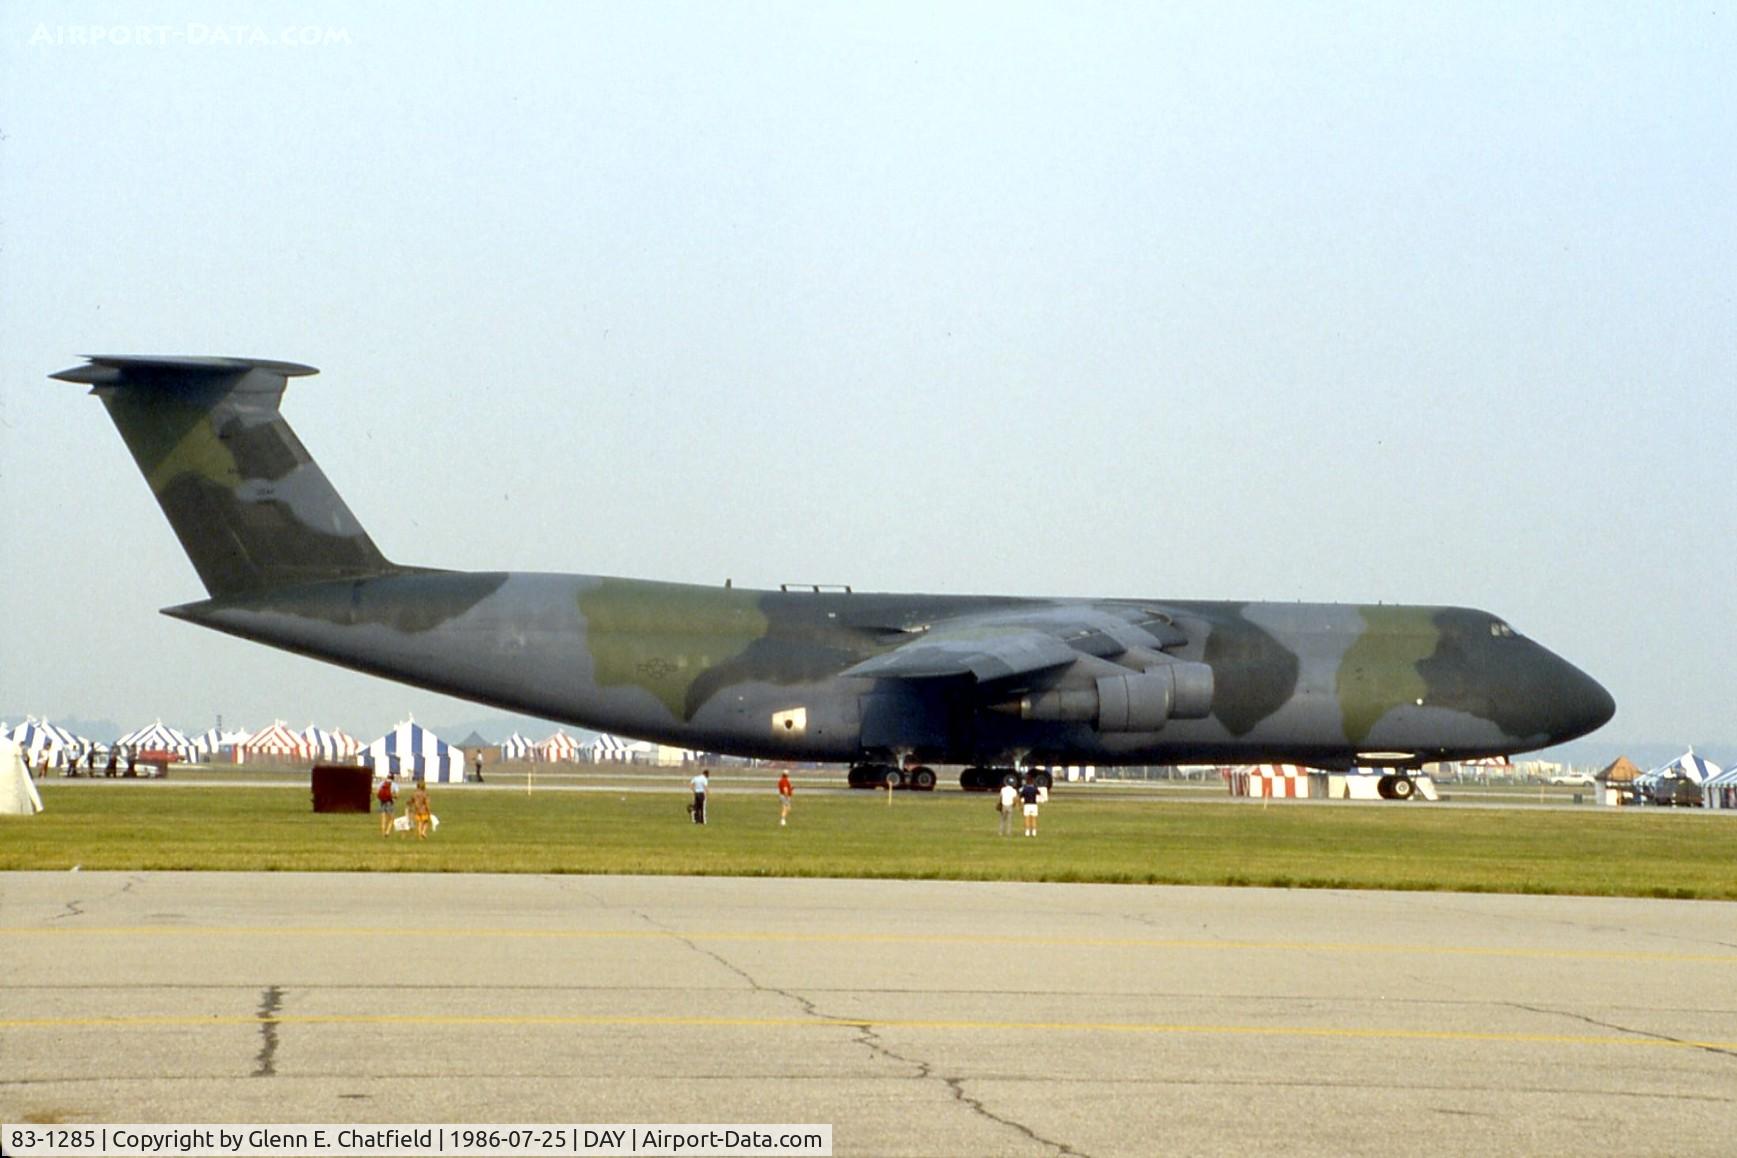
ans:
x=918 y=1018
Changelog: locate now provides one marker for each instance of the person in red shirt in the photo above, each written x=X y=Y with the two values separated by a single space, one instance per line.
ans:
x=387 y=795
x=785 y=792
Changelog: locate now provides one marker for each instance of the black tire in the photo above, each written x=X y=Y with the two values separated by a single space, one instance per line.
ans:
x=1045 y=781
x=1403 y=788
x=892 y=778
x=1384 y=787
x=923 y=780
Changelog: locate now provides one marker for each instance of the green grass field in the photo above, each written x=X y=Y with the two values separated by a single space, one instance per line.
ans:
x=1592 y=851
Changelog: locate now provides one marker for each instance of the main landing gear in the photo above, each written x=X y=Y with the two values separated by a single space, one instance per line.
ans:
x=991 y=779
x=921 y=778
x=918 y=779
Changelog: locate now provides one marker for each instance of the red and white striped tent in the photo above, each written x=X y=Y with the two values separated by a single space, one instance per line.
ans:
x=276 y=743
x=330 y=747
x=1287 y=781
x=560 y=748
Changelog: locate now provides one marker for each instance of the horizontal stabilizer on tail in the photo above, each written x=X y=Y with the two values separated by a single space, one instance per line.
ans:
x=251 y=507
x=113 y=369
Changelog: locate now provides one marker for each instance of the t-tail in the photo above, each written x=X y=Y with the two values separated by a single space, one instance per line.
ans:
x=252 y=509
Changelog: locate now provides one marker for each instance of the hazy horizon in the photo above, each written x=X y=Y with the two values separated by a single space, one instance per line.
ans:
x=1348 y=304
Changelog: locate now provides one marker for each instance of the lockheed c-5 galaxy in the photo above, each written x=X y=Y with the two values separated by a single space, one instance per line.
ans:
x=890 y=684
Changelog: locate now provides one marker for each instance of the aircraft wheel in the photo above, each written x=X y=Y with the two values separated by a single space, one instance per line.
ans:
x=1045 y=781
x=1403 y=788
x=972 y=780
x=892 y=778
x=1384 y=787
x=923 y=780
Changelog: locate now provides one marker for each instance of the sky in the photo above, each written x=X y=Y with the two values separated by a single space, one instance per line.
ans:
x=1355 y=302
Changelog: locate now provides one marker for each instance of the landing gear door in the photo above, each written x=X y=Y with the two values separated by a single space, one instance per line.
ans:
x=908 y=717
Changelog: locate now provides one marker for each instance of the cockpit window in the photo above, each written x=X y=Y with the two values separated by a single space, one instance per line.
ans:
x=1501 y=630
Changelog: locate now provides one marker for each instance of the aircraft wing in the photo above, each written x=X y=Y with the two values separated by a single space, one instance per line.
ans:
x=996 y=647
x=973 y=653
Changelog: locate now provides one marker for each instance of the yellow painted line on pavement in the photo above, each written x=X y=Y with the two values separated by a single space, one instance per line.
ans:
x=875 y=1023
x=1050 y=942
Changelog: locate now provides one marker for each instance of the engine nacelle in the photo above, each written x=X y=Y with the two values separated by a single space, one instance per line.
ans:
x=1136 y=702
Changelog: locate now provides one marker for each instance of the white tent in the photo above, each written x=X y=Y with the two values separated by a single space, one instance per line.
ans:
x=18 y=795
x=517 y=747
x=410 y=750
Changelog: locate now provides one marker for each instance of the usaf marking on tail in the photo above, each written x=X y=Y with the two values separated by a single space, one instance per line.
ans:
x=887 y=683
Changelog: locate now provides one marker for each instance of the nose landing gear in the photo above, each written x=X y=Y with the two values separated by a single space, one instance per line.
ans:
x=1395 y=786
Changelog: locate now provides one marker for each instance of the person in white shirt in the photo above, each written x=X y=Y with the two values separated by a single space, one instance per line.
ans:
x=698 y=808
x=1008 y=799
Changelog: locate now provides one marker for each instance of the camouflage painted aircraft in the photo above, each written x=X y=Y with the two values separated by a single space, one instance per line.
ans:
x=890 y=684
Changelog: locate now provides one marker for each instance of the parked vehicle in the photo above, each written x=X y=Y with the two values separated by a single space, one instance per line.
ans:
x=1675 y=792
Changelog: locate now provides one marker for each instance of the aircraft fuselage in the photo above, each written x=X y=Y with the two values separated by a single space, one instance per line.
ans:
x=760 y=672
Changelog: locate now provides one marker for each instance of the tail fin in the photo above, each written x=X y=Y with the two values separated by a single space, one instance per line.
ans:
x=252 y=509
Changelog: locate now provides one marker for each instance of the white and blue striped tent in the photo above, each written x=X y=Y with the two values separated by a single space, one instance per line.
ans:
x=331 y=747
x=1697 y=768
x=1689 y=766
x=517 y=747
x=219 y=743
x=37 y=738
x=1721 y=789
x=159 y=737
x=411 y=751
x=606 y=747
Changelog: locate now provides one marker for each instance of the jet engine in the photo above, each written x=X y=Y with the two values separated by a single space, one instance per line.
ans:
x=1136 y=702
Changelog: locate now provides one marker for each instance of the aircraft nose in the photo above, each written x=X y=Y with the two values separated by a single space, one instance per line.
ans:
x=1579 y=704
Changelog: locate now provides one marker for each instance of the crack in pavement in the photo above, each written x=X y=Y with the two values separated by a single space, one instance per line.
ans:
x=265 y=1063
x=870 y=1040
x=956 y=1086
x=75 y=908
x=1646 y=1033
x=570 y=885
